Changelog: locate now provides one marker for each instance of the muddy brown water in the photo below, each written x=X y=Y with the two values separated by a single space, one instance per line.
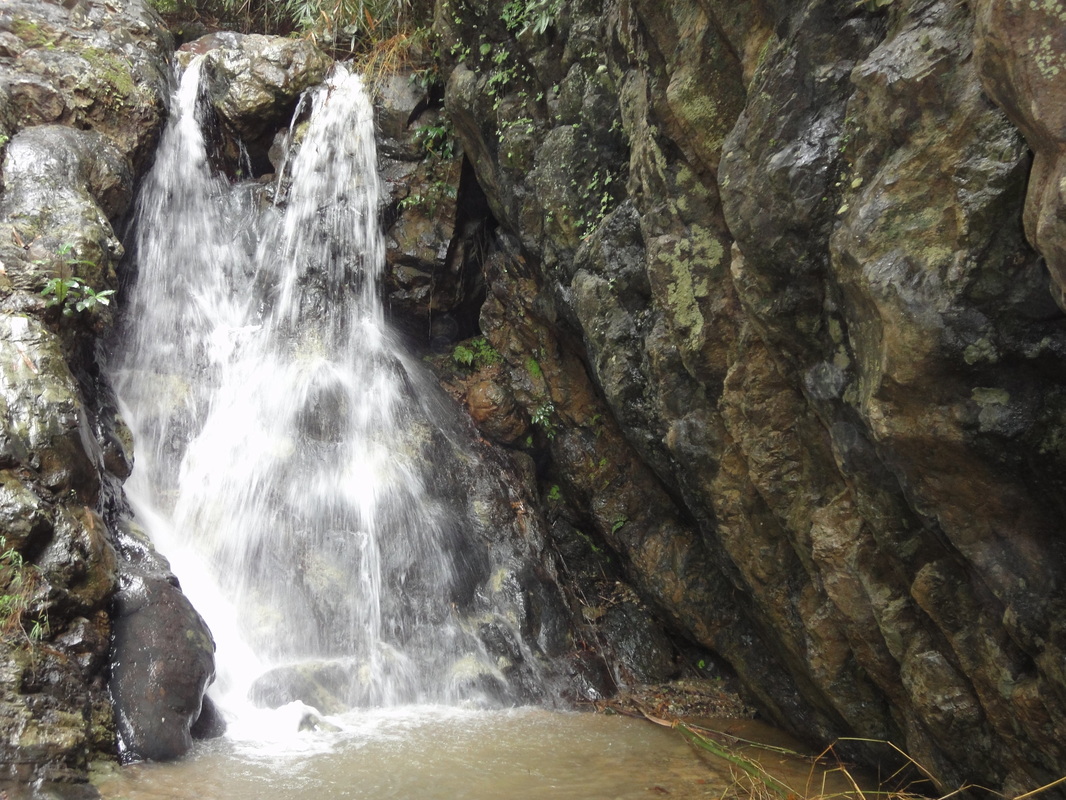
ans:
x=454 y=754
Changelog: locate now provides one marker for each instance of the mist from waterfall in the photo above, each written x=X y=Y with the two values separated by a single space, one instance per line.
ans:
x=279 y=451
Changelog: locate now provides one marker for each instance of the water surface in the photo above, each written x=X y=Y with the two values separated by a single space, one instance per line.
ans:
x=449 y=753
x=438 y=752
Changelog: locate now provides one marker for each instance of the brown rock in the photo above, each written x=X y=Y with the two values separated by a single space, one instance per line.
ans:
x=1020 y=49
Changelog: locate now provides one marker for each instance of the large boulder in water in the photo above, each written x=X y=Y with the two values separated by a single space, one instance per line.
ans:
x=324 y=685
x=162 y=661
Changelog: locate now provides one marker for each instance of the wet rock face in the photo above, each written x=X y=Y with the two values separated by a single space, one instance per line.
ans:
x=62 y=188
x=254 y=83
x=90 y=65
x=1020 y=51
x=776 y=365
x=822 y=429
x=436 y=220
x=162 y=661
x=82 y=98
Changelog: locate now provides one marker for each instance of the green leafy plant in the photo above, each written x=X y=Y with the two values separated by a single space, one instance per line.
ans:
x=71 y=293
x=542 y=417
x=513 y=14
x=555 y=494
x=535 y=15
x=476 y=353
x=541 y=14
x=74 y=295
x=437 y=140
x=460 y=51
x=597 y=199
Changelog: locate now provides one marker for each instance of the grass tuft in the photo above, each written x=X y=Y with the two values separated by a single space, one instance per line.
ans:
x=404 y=50
x=829 y=778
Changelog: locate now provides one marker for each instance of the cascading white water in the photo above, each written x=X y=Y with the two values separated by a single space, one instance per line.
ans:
x=277 y=448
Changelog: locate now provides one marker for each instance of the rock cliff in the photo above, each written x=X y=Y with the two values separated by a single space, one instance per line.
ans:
x=90 y=613
x=761 y=274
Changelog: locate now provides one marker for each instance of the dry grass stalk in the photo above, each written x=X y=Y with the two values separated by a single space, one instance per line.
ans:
x=751 y=781
x=403 y=51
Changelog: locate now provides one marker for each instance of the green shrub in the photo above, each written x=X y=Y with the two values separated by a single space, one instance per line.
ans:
x=353 y=25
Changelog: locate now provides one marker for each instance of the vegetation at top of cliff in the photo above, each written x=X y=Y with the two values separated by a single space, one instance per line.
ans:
x=350 y=25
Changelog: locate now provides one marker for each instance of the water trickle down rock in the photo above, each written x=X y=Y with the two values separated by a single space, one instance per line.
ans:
x=340 y=552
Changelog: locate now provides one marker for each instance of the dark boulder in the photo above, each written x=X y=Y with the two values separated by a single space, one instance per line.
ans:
x=162 y=660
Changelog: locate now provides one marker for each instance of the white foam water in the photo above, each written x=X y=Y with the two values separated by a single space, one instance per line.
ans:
x=279 y=452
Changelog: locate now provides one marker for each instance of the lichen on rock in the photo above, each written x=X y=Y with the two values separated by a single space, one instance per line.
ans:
x=811 y=314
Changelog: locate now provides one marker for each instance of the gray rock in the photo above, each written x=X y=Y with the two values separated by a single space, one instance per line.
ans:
x=83 y=90
x=810 y=315
x=254 y=81
x=44 y=422
x=62 y=188
x=325 y=686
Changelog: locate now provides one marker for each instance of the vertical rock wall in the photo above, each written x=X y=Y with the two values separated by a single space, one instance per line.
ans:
x=762 y=287
x=83 y=91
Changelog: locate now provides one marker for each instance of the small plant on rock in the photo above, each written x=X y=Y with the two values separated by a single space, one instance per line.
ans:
x=437 y=140
x=476 y=353
x=543 y=417
x=536 y=15
x=71 y=293
x=18 y=581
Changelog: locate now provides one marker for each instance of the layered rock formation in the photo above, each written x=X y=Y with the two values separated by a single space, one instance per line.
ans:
x=761 y=272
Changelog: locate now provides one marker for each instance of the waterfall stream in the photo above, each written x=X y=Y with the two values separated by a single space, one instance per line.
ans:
x=277 y=426
x=283 y=441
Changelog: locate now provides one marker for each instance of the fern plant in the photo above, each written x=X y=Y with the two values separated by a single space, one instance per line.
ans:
x=18 y=582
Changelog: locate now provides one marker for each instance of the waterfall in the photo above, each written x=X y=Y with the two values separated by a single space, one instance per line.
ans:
x=279 y=448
